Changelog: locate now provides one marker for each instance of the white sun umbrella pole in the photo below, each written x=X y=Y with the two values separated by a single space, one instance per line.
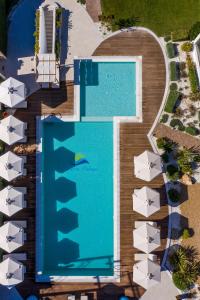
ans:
x=11 y=272
x=12 y=92
x=146 y=273
x=146 y=238
x=11 y=166
x=12 y=130
x=11 y=237
x=147 y=165
x=146 y=201
x=11 y=200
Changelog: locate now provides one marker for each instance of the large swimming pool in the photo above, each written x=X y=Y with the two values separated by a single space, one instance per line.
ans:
x=107 y=89
x=77 y=199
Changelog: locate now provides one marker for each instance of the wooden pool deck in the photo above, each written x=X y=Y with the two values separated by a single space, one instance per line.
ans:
x=133 y=141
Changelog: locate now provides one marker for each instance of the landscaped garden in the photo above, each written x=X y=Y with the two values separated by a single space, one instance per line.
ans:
x=163 y=17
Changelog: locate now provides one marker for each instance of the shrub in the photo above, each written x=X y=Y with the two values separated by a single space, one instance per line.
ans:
x=196 y=157
x=81 y=1
x=186 y=234
x=170 y=50
x=176 y=123
x=171 y=101
x=36 y=33
x=173 y=71
x=192 y=75
x=173 y=86
x=179 y=281
x=184 y=158
x=192 y=110
x=187 y=47
x=165 y=144
x=179 y=112
x=173 y=172
x=164 y=118
x=192 y=130
x=165 y=158
x=179 y=35
x=195 y=96
x=2 y=184
x=194 y=31
x=174 y=195
x=167 y=38
x=125 y=22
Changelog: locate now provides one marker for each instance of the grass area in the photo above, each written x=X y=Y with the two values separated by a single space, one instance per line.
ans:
x=3 y=25
x=161 y=16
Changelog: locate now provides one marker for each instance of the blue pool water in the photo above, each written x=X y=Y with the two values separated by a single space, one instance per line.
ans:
x=107 y=89
x=77 y=199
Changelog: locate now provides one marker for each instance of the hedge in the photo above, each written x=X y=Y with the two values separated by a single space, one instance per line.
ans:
x=179 y=35
x=192 y=130
x=173 y=71
x=194 y=83
x=174 y=195
x=176 y=123
x=171 y=101
x=170 y=50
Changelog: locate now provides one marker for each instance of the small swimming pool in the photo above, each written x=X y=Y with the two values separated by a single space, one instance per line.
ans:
x=107 y=89
x=77 y=199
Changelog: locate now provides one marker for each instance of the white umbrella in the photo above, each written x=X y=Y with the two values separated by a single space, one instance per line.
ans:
x=11 y=130
x=146 y=201
x=11 y=237
x=147 y=165
x=11 y=200
x=11 y=166
x=146 y=273
x=11 y=272
x=12 y=92
x=146 y=238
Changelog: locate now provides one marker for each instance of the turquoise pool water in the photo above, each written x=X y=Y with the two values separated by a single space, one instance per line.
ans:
x=77 y=199
x=107 y=89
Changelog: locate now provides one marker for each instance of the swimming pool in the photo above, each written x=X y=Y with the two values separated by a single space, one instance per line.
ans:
x=107 y=89
x=77 y=199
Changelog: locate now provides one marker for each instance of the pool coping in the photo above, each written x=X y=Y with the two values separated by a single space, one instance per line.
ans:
x=116 y=171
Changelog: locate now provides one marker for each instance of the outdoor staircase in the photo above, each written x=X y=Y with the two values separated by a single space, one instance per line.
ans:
x=49 y=29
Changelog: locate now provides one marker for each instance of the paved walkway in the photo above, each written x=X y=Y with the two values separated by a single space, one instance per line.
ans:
x=80 y=35
x=165 y=290
x=94 y=9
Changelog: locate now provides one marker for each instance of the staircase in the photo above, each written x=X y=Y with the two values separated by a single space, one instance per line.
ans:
x=49 y=29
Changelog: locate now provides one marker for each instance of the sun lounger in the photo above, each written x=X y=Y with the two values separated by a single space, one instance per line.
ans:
x=143 y=256
x=140 y=223
x=17 y=256
x=19 y=223
x=71 y=297
x=24 y=191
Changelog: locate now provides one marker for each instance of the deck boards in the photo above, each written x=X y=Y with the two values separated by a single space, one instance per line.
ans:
x=133 y=141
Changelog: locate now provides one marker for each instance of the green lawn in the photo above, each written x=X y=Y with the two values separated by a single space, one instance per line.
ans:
x=3 y=25
x=161 y=16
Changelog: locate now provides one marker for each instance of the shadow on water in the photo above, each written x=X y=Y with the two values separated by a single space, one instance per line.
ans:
x=85 y=74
